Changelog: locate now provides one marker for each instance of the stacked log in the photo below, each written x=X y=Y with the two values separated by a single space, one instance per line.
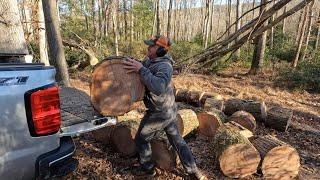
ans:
x=213 y=103
x=279 y=160
x=209 y=122
x=187 y=121
x=257 y=109
x=245 y=119
x=237 y=156
x=279 y=118
x=112 y=90
x=196 y=98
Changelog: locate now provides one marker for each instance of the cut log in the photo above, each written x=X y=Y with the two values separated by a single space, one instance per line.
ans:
x=213 y=103
x=113 y=91
x=257 y=109
x=123 y=137
x=187 y=121
x=209 y=122
x=237 y=156
x=196 y=98
x=279 y=118
x=245 y=119
x=162 y=153
x=103 y=135
x=280 y=160
x=240 y=129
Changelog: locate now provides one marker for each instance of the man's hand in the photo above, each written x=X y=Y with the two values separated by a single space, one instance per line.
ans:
x=132 y=65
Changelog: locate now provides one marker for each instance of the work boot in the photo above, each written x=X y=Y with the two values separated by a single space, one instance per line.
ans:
x=143 y=172
x=198 y=175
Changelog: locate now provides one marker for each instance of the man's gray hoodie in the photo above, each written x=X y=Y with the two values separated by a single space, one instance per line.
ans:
x=156 y=75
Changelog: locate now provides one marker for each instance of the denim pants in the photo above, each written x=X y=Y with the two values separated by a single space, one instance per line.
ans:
x=155 y=122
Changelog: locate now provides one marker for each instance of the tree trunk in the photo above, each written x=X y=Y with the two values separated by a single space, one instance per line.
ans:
x=245 y=119
x=94 y=21
x=284 y=24
x=260 y=47
x=299 y=28
x=115 y=27
x=42 y=36
x=187 y=121
x=316 y=45
x=301 y=37
x=131 y=24
x=272 y=29
x=279 y=118
x=210 y=121
x=206 y=23
x=279 y=160
x=12 y=39
x=238 y=26
x=158 y=16
x=169 y=19
x=125 y=20
x=196 y=98
x=257 y=109
x=309 y=29
x=237 y=156
x=56 y=52
x=228 y=17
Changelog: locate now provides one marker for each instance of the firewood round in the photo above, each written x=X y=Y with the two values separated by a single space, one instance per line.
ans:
x=113 y=91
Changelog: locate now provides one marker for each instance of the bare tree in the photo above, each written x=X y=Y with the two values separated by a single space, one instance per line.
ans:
x=12 y=40
x=115 y=26
x=272 y=29
x=309 y=29
x=206 y=23
x=238 y=26
x=260 y=46
x=158 y=16
x=169 y=19
x=301 y=36
x=56 y=52
x=316 y=45
x=42 y=36
x=284 y=21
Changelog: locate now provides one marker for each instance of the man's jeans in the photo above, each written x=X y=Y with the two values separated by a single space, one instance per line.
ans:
x=151 y=124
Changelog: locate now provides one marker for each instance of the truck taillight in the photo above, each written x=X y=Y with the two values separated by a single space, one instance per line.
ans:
x=45 y=111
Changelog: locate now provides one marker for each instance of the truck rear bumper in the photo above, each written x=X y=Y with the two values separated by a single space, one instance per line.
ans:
x=58 y=162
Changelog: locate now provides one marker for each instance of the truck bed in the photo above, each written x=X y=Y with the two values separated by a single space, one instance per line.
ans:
x=76 y=107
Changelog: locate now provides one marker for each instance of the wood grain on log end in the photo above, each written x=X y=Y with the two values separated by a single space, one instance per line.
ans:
x=208 y=123
x=245 y=119
x=187 y=121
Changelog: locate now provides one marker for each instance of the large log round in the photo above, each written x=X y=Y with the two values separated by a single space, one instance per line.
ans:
x=280 y=160
x=245 y=119
x=209 y=122
x=279 y=118
x=103 y=135
x=113 y=91
x=237 y=156
x=187 y=121
x=123 y=137
x=256 y=108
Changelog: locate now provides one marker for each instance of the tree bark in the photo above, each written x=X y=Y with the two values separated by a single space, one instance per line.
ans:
x=94 y=20
x=12 y=39
x=237 y=156
x=42 y=36
x=158 y=16
x=56 y=52
x=301 y=36
x=284 y=24
x=206 y=23
x=260 y=47
x=115 y=27
x=257 y=109
x=245 y=119
x=196 y=98
x=279 y=160
x=125 y=20
x=279 y=118
x=213 y=103
x=272 y=29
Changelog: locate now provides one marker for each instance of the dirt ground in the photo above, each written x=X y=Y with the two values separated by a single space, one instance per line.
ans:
x=97 y=161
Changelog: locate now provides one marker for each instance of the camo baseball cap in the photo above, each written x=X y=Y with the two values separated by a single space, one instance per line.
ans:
x=160 y=41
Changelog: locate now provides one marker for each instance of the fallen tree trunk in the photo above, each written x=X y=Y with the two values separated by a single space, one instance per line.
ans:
x=213 y=103
x=257 y=109
x=113 y=91
x=210 y=121
x=280 y=160
x=187 y=121
x=196 y=98
x=237 y=156
x=245 y=119
x=279 y=118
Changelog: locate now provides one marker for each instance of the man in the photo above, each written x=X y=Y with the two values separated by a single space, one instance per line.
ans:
x=156 y=73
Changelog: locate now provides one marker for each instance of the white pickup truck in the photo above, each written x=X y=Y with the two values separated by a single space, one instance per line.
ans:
x=36 y=128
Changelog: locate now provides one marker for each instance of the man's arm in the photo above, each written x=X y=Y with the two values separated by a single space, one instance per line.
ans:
x=158 y=82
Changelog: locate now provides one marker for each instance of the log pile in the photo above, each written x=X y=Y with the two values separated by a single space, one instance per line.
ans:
x=196 y=98
x=279 y=118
